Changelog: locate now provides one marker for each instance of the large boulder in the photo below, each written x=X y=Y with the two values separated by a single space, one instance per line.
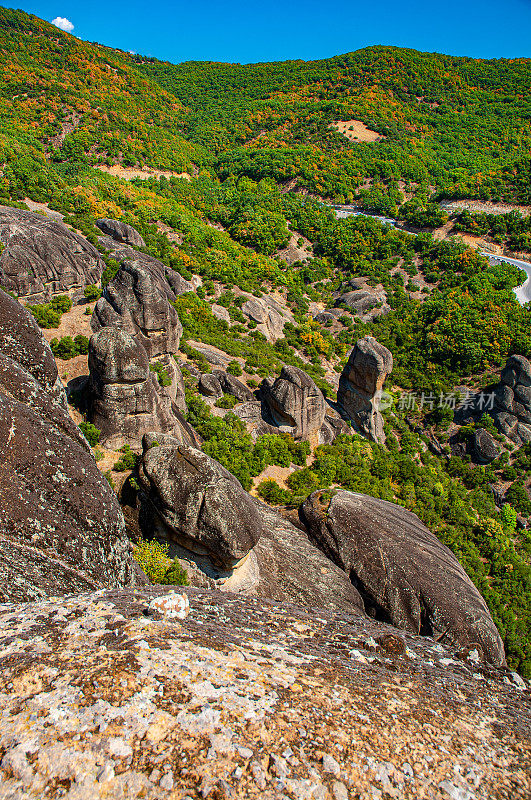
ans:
x=361 y=384
x=121 y=232
x=134 y=302
x=125 y=399
x=294 y=401
x=199 y=503
x=484 y=446
x=62 y=530
x=231 y=385
x=42 y=257
x=404 y=573
x=227 y=539
x=512 y=400
x=270 y=316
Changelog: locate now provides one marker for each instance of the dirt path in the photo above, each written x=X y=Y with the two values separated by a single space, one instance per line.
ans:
x=483 y=207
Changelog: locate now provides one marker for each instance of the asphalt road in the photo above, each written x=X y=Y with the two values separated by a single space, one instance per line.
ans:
x=523 y=292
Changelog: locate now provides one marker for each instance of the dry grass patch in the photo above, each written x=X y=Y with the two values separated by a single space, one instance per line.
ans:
x=356 y=131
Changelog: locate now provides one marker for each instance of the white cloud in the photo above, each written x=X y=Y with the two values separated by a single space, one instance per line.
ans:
x=63 y=23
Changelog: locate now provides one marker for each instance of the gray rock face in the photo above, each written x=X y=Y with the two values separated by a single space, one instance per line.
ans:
x=220 y=312
x=124 y=397
x=227 y=539
x=42 y=257
x=404 y=573
x=294 y=401
x=209 y=385
x=62 y=530
x=360 y=301
x=485 y=447
x=200 y=504
x=361 y=384
x=121 y=232
x=512 y=403
x=169 y=281
x=269 y=315
x=231 y=385
x=134 y=302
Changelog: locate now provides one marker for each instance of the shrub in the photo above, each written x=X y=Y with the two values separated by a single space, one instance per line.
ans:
x=176 y=575
x=92 y=292
x=271 y=492
x=508 y=515
x=227 y=401
x=66 y=347
x=90 y=432
x=152 y=558
x=162 y=376
x=233 y=367
x=128 y=460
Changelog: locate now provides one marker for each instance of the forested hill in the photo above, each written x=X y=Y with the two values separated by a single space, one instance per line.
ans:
x=460 y=124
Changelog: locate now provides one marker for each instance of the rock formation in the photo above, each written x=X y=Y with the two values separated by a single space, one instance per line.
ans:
x=169 y=281
x=225 y=538
x=484 y=446
x=293 y=401
x=42 y=257
x=121 y=232
x=202 y=506
x=134 y=302
x=106 y=697
x=404 y=573
x=512 y=402
x=231 y=385
x=269 y=315
x=61 y=527
x=125 y=399
x=209 y=385
x=360 y=386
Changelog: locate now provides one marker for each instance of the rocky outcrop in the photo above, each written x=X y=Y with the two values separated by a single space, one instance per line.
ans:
x=293 y=401
x=231 y=385
x=512 y=400
x=361 y=384
x=42 y=257
x=170 y=282
x=485 y=448
x=404 y=573
x=105 y=696
x=200 y=504
x=125 y=399
x=121 y=232
x=227 y=539
x=269 y=315
x=359 y=301
x=134 y=302
x=220 y=312
x=61 y=529
x=209 y=385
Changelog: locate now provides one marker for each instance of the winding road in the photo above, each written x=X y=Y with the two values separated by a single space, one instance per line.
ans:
x=523 y=292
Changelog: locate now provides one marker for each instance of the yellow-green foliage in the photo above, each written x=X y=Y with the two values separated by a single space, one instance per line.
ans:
x=152 y=557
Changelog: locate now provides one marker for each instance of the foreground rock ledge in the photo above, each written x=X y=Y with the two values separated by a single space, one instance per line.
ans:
x=102 y=698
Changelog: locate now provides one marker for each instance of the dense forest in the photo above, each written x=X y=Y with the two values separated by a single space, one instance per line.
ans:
x=263 y=160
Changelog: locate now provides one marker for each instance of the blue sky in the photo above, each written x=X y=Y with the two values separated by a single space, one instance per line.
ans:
x=245 y=31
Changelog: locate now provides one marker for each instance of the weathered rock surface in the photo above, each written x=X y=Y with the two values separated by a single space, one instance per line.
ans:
x=231 y=385
x=360 y=301
x=220 y=312
x=404 y=573
x=269 y=315
x=227 y=539
x=512 y=401
x=169 y=281
x=42 y=257
x=61 y=529
x=209 y=385
x=484 y=446
x=104 y=697
x=199 y=503
x=121 y=232
x=133 y=301
x=294 y=401
x=361 y=384
x=124 y=397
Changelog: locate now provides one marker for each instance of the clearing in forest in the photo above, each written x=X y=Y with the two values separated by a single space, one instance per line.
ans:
x=355 y=130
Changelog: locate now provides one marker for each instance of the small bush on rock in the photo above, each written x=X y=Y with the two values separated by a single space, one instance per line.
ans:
x=152 y=558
